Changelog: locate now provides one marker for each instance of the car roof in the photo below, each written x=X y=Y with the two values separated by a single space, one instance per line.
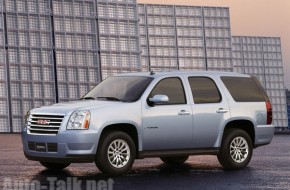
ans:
x=159 y=74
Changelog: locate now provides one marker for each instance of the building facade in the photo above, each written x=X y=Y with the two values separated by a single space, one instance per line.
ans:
x=288 y=111
x=199 y=38
x=185 y=37
x=4 y=102
x=262 y=57
x=118 y=37
x=56 y=50
x=288 y=105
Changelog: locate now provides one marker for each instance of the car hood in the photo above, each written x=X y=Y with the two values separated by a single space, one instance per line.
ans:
x=68 y=107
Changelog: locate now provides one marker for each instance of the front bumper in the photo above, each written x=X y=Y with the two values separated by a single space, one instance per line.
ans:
x=68 y=146
x=264 y=134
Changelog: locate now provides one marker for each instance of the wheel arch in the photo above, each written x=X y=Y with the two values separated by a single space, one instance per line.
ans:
x=243 y=124
x=127 y=128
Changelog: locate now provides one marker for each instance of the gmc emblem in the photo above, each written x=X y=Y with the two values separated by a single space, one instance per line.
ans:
x=43 y=122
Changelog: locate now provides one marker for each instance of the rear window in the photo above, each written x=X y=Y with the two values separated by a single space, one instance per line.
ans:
x=244 y=89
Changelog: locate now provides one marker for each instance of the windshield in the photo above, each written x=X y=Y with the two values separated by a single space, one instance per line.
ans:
x=120 y=88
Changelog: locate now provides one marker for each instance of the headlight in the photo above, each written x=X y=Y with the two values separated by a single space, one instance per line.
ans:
x=27 y=117
x=79 y=120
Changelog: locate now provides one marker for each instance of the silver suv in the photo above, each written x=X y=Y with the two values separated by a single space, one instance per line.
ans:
x=170 y=115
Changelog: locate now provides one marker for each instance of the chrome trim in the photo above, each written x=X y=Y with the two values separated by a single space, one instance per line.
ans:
x=51 y=128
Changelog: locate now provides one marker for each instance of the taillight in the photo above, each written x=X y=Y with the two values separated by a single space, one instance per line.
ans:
x=269 y=112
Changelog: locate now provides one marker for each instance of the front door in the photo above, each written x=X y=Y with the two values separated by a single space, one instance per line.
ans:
x=168 y=126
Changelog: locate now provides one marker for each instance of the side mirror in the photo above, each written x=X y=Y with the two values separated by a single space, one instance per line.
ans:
x=158 y=99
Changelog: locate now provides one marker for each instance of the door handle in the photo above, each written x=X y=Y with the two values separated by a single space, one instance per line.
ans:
x=183 y=112
x=222 y=110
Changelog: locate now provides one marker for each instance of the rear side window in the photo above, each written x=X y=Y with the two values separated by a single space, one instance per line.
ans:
x=243 y=89
x=204 y=90
x=171 y=87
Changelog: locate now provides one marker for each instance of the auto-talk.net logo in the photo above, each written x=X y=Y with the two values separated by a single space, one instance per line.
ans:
x=42 y=122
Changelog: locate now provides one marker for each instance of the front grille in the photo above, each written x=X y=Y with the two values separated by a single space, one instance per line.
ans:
x=44 y=124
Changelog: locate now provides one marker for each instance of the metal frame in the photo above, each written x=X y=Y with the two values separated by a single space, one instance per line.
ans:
x=76 y=49
x=29 y=57
x=47 y=45
x=119 y=45
x=4 y=88
x=262 y=57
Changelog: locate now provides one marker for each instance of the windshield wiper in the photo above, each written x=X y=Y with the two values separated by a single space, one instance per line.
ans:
x=87 y=98
x=109 y=98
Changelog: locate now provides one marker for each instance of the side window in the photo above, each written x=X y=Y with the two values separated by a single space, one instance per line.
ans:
x=171 y=87
x=244 y=89
x=204 y=90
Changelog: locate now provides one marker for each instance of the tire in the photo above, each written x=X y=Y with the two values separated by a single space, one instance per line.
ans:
x=109 y=158
x=174 y=160
x=241 y=152
x=54 y=166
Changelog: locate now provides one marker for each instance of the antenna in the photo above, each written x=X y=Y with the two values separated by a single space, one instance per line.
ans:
x=152 y=72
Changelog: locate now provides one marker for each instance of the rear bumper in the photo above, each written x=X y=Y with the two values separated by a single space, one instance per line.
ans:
x=264 y=134
x=64 y=147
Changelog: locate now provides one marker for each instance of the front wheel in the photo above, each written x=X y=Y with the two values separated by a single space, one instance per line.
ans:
x=174 y=160
x=116 y=153
x=54 y=166
x=236 y=150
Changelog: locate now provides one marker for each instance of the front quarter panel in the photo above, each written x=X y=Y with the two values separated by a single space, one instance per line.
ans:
x=126 y=113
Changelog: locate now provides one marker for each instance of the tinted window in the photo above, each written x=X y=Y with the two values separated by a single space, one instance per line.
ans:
x=204 y=90
x=172 y=87
x=243 y=89
x=122 y=88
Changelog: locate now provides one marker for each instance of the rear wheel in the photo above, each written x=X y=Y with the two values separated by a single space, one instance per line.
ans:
x=174 y=160
x=116 y=153
x=236 y=150
x=54 y=166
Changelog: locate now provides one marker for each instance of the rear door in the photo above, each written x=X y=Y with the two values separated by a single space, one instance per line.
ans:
x=210 y=110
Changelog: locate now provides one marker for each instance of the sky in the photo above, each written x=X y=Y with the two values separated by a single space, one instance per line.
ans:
x=269 y=18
